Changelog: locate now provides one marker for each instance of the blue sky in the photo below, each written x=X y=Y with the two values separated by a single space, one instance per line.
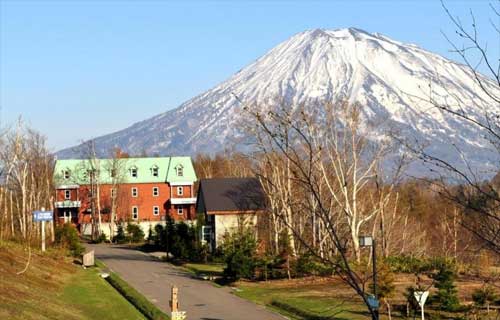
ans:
x=79 y=69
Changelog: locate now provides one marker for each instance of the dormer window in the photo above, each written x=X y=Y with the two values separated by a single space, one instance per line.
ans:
x=91 y=174
x=66 y=174
x=179 y=170
x=133 y=172
x=154 y=171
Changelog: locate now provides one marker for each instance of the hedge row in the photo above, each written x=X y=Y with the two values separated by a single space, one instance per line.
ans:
x=298 y=312
x=149 y=310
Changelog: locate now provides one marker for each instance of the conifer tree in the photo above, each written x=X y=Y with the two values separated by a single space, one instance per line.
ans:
x=446 y=297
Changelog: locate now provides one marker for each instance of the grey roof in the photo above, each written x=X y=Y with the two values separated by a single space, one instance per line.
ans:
x=231 y=194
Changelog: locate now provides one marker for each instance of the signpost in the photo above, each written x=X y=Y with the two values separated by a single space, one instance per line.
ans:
x=373 y=302
x=421 y=297
x=42 y=216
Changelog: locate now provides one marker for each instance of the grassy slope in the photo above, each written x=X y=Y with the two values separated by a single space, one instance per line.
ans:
x=53 y=288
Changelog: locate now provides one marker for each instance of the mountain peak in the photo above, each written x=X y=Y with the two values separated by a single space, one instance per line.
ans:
x=314 y=33
x=336 y=33
x=384 y=76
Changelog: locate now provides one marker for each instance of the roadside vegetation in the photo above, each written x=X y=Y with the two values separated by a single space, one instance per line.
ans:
x=179 y=240
x=307 y=288
x=315 y=291
x=52 y=287
x=211 y=270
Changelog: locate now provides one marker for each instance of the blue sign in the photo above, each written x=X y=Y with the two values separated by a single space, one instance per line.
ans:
x=42 y=216
x=373 y=302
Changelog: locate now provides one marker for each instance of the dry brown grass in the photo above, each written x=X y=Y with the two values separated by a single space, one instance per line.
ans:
x=45 y=275
x=54 y=288
x=335 y=288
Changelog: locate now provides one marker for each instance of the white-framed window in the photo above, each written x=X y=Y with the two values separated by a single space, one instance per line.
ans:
x=206 y=233
x=135 y=213
x=66 y=174
x=180 y=210
x=133 y=172
x=113 y=192
x=112 y=173
x=156 y=191
x=179 y=170
x=156 y=210
x=180 y=191
x=135 y=192
x=67 y=194
x=154 y=171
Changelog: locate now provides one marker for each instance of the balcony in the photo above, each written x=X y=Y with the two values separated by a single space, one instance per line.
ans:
x=67 y=186
x=183 y=200
x=68 y=204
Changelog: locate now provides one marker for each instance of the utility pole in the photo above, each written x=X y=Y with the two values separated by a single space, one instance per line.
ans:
x=374 y=304
x=374 y=261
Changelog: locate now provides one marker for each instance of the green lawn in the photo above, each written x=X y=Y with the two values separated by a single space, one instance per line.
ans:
x=91 y=297
x=323 y=300
x=317 y=300
x=54 y=288
x=212 y=269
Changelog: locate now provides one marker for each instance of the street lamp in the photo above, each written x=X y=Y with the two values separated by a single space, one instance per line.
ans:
x=365 y=241
x=368 y=241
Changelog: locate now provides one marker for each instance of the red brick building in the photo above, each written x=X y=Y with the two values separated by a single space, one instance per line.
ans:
x=141 y=190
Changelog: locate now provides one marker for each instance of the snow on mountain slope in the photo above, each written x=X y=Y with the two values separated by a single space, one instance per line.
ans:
x=386 y=77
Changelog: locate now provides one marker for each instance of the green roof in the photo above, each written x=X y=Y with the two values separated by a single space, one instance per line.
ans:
x=167 y=168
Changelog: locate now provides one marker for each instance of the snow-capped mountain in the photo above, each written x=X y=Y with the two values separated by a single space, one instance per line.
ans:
x=387 y=78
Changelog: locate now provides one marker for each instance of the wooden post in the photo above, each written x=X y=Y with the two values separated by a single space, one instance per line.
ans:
x=43 y=233
x=43 y=236
x=174 y=303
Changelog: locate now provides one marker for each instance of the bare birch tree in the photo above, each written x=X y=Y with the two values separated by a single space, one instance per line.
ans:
x=117 y=168
x=26 y=181
x=465 y=185
x=317 y=149
x=92 y=170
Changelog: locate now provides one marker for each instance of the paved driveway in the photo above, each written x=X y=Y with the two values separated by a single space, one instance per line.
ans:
x=199 y=298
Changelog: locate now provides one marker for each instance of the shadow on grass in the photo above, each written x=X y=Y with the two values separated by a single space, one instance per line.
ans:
x=301 y=313
x=361 y=313
x=224 y=281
